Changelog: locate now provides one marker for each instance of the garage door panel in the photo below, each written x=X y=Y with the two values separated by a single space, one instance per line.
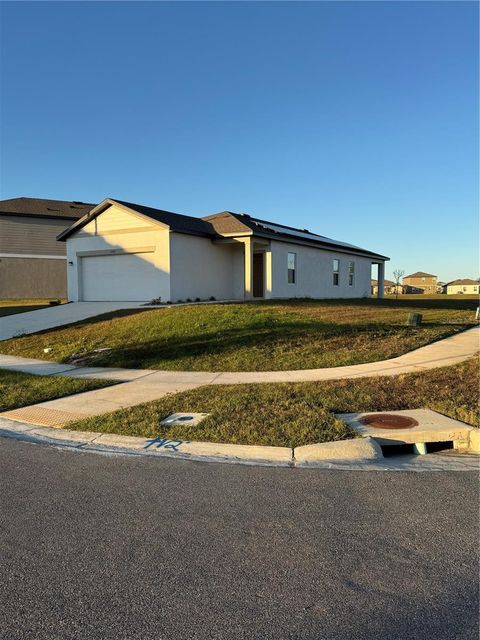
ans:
x=124 y=277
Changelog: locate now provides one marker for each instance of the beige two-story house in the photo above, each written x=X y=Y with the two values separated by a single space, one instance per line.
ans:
x=33 y=264
x=420 y=282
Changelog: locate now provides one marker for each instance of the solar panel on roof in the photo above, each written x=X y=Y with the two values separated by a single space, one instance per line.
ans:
x=302 y=234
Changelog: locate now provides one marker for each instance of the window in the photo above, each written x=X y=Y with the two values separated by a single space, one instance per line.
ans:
x=336 y=272
x=351 y=273
x=292 y=267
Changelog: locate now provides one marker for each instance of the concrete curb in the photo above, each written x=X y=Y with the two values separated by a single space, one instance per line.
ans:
x=357 y=450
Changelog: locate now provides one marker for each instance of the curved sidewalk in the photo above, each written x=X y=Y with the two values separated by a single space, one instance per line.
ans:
x=442 y=353
x=146 y=385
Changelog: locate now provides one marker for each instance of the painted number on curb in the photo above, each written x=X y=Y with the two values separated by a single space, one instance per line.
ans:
x=160 y=443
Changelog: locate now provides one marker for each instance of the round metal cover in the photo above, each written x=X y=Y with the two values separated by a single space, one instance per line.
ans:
x=388 y=421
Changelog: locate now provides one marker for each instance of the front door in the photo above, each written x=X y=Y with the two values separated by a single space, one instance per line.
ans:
x=258 y=275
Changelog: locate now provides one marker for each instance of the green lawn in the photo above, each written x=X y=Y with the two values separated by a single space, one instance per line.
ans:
x=22 y=389
x=296 y=414
x=10 y=307
x=295 y=334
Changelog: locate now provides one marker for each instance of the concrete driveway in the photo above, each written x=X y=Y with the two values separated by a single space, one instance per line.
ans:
x=50 y=317
x=109 y=547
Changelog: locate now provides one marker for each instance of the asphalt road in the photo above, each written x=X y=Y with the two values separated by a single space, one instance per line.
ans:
x=131 y=548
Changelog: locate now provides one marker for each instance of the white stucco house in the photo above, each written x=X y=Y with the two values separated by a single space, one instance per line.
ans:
x=129 y=252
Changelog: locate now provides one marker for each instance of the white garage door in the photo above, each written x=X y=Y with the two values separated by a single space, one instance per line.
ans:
x=124 y=277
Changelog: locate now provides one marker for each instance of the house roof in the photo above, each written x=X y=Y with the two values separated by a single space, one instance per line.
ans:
x=40 y=207
x=420 y=274
x=463 y=281
x=228 y=222
x=175 y=221
x=387 y=283
x=224 y=224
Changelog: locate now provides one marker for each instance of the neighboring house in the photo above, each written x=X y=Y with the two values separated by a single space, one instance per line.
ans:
x=32 y=261
x=464 y=285
x=390 y=288
x=441 y=287
x=420 y=282
x=129 y=252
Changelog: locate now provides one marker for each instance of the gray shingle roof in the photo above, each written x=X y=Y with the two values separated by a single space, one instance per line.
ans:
x=420 y=274
x=40 y=207
x=176 y=221
x=463 y=281
x=276 y=231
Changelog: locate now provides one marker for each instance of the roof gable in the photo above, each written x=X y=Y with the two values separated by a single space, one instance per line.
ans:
x=174 y=221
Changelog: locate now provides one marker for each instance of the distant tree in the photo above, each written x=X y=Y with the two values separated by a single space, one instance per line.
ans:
x=398 y=275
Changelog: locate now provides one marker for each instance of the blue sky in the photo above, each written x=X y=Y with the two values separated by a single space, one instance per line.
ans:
x=357 y=120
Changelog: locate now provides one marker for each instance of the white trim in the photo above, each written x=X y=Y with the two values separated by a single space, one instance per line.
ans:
x=115 y=252
x=30 y=255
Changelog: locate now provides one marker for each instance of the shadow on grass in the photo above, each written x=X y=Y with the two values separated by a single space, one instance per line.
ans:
x=291 y=336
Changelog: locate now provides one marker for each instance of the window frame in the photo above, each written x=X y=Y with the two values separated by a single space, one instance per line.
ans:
x=292 y=272
x=336 y=272
x=351 y=273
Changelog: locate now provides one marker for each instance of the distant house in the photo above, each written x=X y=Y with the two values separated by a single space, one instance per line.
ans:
x=32 y=261
x=390 y=288
x=420 y=282
x=464 y=285
x=126 y=251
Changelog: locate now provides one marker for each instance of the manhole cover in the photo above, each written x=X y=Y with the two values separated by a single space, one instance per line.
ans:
x=388 y=421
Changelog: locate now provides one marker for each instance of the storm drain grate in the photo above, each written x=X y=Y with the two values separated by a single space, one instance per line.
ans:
x=388 y=421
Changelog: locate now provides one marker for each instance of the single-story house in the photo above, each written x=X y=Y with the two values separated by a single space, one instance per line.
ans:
x=463 y=285
x=33 y=264
x=129 y=252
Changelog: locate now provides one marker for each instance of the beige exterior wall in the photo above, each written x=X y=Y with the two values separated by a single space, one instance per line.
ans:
x=120 y=232
x=201 y=268
x=32 y=278
x=462 y=288
x=32 y=236
x=314 y=273
x=427 y=284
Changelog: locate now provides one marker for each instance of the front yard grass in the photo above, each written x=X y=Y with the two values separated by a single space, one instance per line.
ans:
x=22 y=389
x=295 y=414
x=260 y=336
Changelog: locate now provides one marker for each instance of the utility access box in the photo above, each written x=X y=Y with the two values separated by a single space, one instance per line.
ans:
x=414 y=319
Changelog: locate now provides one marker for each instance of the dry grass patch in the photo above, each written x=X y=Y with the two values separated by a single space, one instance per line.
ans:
x=296 y=414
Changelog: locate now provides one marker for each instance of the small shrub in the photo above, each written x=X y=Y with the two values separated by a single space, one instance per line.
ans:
x=188 y=300
x=212 y=298
x=197 y=299
x=169 y=302
x=179 y=301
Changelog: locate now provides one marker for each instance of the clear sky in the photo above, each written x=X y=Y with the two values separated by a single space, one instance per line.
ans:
x=357 y=120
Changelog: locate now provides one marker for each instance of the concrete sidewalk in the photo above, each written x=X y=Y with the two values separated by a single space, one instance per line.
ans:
x=56 y=316
x=146 y=385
